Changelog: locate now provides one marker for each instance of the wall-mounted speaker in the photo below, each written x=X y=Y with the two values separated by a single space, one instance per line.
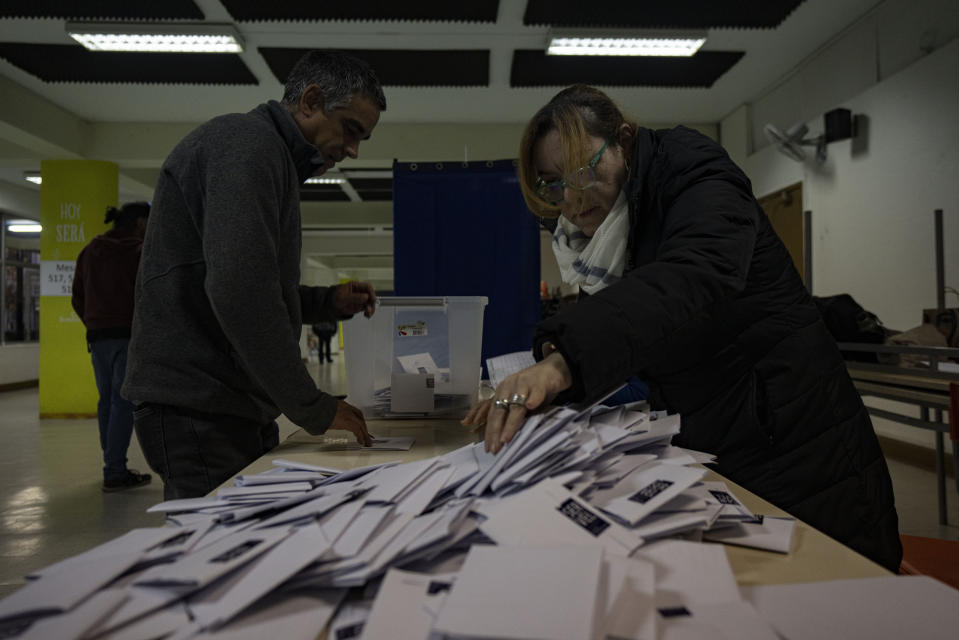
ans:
x=839 y=125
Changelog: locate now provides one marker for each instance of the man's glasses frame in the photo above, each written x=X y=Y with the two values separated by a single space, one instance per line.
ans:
x=581 y=180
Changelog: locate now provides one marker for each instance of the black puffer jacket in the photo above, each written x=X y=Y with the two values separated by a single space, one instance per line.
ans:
x=713 y=315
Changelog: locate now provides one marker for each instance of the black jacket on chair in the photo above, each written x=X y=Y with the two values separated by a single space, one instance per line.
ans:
x=713 y=315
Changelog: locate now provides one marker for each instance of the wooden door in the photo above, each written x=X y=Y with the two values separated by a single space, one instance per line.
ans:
x=785 y=212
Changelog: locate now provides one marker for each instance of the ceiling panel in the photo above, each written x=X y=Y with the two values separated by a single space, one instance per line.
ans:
x=101 y=10
x=324 y=196
x=73 y=63
x=402 y=68
x=650 y=14
x=322 y=192
x=375 y=195
x=432 y=10
x=533 y=68
x=372 y=184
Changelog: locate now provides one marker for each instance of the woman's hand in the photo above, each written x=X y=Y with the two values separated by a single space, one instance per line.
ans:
x=517 y=395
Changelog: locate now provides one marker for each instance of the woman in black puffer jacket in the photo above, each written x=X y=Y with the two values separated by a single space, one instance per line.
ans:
x=691 y=290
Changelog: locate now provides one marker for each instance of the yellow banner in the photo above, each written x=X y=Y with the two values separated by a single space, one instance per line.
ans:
x=73 y=199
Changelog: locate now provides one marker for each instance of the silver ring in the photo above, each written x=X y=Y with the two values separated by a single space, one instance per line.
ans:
x=517 y=399
x=501 y=404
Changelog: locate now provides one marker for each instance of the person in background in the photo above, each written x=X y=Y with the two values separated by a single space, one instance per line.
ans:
x=103 y=285
x=690 y=289
x=324 y=333
x=215 y=354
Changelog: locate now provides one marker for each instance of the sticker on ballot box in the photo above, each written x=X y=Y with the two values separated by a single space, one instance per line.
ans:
x=412 y=330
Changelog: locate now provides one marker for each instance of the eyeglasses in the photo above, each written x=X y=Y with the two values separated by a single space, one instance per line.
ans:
x=581 y=180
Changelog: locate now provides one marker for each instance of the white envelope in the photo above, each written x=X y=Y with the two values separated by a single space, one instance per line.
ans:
x=388 y=443
x=360 y=529
x=158 y=624
x=888 y=608
x=645 y=490
x=61 y=590
x=772 y=534
x=142 y=601
x=325 y=501
x=390 y=483
x=278 y=478
x=733 y=508
x=418 y=497
x=464 y=465
x=335 y=522
x=205 y=565
x=548 y=514
x=305 y=466
x=357 y=472
x=133 y=541
x=293 y=616
x=738 y=620
x=285 y=559
x=264 y=489
x=418 y=363
x=506 y=455
x=690 y=573
x=502 y=592
x=630 y=601
x=386 y=545
x=622 y=467
x=400 y=610
x=349 y=620
x=187 y=504
x=75 y=623
x=523 y=462
x=659 y=524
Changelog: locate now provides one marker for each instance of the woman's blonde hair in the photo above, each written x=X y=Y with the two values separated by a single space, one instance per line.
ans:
x=576 y=113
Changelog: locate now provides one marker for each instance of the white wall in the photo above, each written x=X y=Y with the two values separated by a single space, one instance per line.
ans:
x=19 y=362
x=873 y=209
x=20 y=201
x=890 y=38
x=873 y=199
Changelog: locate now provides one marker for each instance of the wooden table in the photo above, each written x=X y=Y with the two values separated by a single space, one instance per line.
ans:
x=814 y=557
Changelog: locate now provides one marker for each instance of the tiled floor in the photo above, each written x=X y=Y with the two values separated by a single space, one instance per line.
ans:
x=51 y=505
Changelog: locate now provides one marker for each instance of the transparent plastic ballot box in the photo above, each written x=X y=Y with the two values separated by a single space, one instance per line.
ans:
x=416 y=356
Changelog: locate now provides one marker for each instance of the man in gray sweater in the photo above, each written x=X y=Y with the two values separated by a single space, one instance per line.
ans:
x=214 y=355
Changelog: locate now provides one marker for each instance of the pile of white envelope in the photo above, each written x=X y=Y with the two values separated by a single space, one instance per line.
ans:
x=570 y=532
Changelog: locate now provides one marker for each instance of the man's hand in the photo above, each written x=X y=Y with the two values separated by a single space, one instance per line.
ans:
x=349 y=418
x=353 y=297
x=515 y=396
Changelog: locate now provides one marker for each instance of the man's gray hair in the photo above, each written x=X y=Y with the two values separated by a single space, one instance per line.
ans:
x=338 y=75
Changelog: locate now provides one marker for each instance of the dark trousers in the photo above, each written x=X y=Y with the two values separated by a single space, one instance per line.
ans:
x=194 y=452
x=325 y=341
x=114 y=413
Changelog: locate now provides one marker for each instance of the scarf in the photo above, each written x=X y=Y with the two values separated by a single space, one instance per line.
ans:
x=597 y=262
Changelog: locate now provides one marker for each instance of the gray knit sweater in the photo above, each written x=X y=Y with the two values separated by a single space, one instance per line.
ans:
x=218 y=307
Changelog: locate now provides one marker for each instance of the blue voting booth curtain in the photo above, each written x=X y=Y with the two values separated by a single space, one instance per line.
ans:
x=462 y=229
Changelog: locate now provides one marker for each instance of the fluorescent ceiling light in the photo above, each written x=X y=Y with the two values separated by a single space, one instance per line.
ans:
x=158 y=38
x=24 y=226
x=35 y=178
x=631 y=43
x=324 y=180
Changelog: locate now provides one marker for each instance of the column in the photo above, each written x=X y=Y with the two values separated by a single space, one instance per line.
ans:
x=74 y=197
